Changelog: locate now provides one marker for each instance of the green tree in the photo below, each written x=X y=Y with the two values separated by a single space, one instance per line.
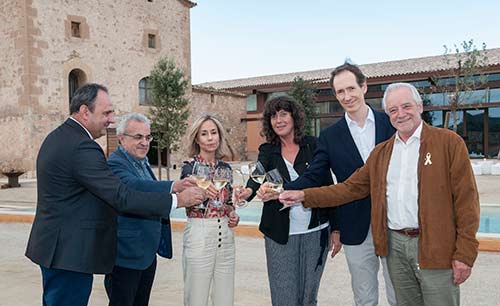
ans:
x=465 y=73
x=305 y=94
x=169 y=111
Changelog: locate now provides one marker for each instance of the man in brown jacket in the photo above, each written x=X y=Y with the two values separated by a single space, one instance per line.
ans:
x=425 y=204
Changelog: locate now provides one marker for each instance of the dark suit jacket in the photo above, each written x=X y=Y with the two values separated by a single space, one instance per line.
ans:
x=337 y=151
x=78 y=196
x=275 y=224
x=139 y=238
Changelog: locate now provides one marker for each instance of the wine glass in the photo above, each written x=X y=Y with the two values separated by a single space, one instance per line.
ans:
x=222 y=176
x=239 y=181
x=275 y=182
x=257 y=172
x=201 y=173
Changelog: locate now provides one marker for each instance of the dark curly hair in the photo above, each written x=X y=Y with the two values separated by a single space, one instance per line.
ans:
x=289 y=105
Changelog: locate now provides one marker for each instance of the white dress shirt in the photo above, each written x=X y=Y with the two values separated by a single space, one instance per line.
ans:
x=300 y=217
x=364 y=137
x=90 y=135
x=402 y=183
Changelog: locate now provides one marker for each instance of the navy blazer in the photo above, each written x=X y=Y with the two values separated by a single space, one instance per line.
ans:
x=338 y=152
x=139 y=238
x=78 y=197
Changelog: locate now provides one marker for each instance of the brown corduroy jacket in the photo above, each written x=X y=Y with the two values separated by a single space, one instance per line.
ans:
x=448 y=199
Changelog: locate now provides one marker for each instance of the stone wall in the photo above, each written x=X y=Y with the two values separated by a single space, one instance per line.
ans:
x=229 y=107
x=37 y=53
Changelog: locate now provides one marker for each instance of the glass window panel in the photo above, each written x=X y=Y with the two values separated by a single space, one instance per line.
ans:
x=252 y=103
x=473 y=97
x=328 y=92
x=494 y=95
x=460 y=121
x=376 y=103
x=374 y=88
x=437 y=98
x=477 y=96
x=142 y=91
x=434 y=118
x=493 y=131
x=494 y=77
x=475 y=132
x=329 y=107
x=151 y=41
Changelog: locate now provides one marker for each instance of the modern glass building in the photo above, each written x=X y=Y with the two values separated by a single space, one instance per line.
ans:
x=477 y=118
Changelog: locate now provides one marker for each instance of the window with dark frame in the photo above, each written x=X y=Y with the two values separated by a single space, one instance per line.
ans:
x=75 y=29
x=144 y=91
x=152 y=41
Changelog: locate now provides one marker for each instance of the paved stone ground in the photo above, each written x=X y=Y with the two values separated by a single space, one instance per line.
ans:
x=20 y=283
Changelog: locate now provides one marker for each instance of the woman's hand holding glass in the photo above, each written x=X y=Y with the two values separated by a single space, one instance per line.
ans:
x=240 y=193
x=273 y=186
x=266 y=193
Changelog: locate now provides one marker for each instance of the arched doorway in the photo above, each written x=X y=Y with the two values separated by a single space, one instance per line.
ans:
x=76 y=78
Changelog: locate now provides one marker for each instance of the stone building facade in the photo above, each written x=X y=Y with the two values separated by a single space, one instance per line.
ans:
x=49 y=48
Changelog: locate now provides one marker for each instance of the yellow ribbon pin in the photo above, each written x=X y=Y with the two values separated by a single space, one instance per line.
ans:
x=427 y=159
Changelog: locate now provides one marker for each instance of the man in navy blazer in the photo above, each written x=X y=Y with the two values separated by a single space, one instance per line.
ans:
x=74 y=232
x=139 y=239
x=343 y=147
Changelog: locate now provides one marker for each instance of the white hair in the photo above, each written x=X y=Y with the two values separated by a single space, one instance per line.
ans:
x=414 y=92
x=120 y=129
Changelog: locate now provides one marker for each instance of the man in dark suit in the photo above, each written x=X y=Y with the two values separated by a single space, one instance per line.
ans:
x=74 y=231
x=139 y=239
x=344 y=147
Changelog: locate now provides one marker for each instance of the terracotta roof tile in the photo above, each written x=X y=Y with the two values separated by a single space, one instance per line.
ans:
x=382 y=69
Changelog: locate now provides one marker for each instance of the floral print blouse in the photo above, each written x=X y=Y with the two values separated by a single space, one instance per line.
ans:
x=210 y=210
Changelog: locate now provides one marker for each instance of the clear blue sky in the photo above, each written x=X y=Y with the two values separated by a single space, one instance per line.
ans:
x=244 y=38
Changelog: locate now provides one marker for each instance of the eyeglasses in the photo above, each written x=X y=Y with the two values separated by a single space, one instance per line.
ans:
x=148 y=138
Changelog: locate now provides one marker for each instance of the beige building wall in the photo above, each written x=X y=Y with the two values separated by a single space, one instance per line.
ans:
x=229 y=107
x=254 y=139
x=14 y=104
x=37 y=53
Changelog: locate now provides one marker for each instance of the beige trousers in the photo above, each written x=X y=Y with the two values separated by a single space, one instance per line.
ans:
x=208 y=262
x=415 y=286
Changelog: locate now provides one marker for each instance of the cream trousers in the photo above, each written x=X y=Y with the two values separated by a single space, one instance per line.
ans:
x=208 y=262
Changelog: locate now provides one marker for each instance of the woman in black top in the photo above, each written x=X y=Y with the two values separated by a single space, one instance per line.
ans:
x=296 y=238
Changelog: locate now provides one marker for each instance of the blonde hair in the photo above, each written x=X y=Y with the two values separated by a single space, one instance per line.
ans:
x=194 y=148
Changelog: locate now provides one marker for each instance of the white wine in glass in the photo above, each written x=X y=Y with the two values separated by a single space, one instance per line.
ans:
x=275 y=182
x=222 y=176
x=257 y=172
x=201 y=173
x=277 y=187
x=219 y=184
x=258 y=178
x=204 y=184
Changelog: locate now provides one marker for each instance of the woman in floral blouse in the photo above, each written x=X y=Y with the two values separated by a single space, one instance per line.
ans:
x=208 y=242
